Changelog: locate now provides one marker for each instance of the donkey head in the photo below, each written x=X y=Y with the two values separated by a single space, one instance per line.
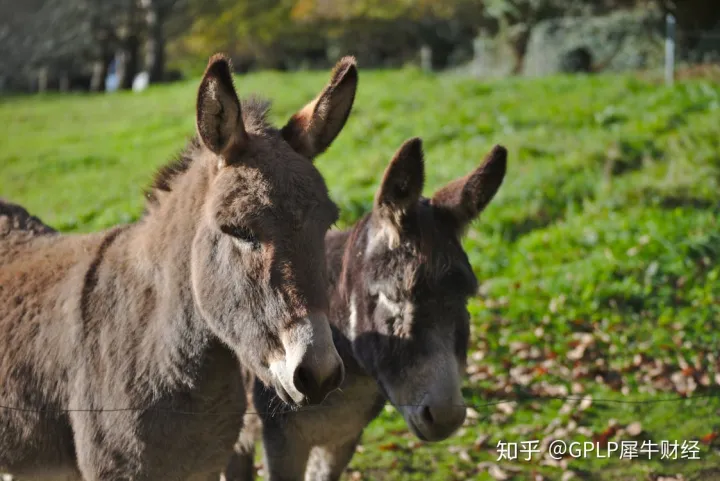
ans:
x=409 y=285
x=259 y=274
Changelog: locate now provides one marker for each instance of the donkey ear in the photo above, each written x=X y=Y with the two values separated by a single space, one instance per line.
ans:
x=219 y=122
x=402 y=183
x=312 y=129
x=467 y=197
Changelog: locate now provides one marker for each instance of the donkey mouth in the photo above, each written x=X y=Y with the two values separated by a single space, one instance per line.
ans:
x=414 y=429
x=283 y=394
x=286 y=397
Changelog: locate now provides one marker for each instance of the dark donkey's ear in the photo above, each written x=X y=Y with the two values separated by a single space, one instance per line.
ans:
x=219 y=121
x=467 y=197
x=402 y=183
x=311 y=130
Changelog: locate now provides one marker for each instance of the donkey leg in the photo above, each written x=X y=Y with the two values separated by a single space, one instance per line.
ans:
x=241 y=466
x=96 y=460
x=327 y=463
x=285 y=453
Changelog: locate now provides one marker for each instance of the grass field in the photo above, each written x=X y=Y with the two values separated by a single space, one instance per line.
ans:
x=598 y=258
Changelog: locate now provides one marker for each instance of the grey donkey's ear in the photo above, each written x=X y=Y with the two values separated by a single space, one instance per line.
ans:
x=465 y=198
x=402 y=183
x=218 y=116
x=311 y=130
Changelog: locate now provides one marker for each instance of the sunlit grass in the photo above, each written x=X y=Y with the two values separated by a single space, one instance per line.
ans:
x=607 y=223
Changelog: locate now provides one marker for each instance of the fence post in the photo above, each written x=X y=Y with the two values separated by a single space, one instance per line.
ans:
x=42 y=79
x=426 y=58
x=479 y=54
x=669 y=49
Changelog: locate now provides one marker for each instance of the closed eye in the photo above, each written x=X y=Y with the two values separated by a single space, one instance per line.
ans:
x=242 y=234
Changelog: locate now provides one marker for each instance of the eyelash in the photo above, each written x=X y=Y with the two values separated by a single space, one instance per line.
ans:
x=243 y=234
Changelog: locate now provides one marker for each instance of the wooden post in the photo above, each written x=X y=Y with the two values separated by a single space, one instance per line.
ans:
x=64 y=86
x=42 y=80
x=669 y=49
x=97 y=80
x=479 y=54
x=426 y=58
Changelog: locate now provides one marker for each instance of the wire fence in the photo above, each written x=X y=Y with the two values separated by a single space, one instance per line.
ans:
x=293 y=409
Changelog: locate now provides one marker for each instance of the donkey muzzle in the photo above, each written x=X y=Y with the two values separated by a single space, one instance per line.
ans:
x=312 y=367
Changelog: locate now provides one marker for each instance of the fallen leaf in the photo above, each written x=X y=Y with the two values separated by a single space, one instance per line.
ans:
x=585 y=431
x=634 y=429
x=389 y=447
x=470 y=413
x=577 y=353
x=481 y=441
x=507 y=407
x=603 y=438
x=568 y=407
x=709 y=438
x=496 y=472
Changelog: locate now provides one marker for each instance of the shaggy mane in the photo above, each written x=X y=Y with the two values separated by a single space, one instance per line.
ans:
x=255 y=113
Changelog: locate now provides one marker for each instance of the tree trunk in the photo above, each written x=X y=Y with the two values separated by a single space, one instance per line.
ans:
x=518 y=44
x=132 y=61
x=97 y=81
x=128 y=58
x=101 y=65
x=43 y=80
x=64 y=85
x=155 y=45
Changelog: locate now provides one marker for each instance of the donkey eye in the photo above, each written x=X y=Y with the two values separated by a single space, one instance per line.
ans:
x=243 y=234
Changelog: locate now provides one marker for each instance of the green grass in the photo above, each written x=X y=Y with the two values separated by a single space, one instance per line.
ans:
x=598 y=257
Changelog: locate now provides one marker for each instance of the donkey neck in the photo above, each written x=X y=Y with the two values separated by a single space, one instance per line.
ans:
x=341 y=247
x=176 y=338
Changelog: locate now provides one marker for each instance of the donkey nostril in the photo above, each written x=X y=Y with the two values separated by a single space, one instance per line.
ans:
x=427 y=415
x=333 y=382
x=302 y=380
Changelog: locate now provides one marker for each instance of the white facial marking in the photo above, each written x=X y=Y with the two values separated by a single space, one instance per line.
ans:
x=385 y=234
x=395 y=308
x=352 y=321
x=295 y=343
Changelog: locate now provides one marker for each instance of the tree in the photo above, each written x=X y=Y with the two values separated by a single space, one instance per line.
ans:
x=157 y=13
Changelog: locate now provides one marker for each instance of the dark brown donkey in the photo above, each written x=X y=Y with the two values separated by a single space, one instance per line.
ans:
x=137 y=329
x=400 y=282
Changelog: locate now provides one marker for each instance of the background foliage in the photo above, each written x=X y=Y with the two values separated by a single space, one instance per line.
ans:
x=74 y=42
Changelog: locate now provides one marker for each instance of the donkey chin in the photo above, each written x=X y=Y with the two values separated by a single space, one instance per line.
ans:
x=432 y=405
x=307 y=373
